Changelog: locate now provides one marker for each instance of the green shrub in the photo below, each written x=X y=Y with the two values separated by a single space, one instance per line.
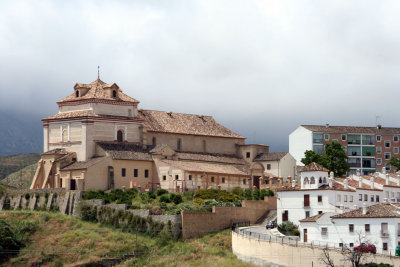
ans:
x=161 y=192
x=256 y=194
x=176 y=198
x=220 y=195
x=270 y=193
x=151 y=194
x=165 y=199
x=237 y=191
x=87 y=212
x=247 y=194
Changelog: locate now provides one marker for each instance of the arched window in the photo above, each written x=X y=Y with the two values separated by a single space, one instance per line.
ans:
x=178 y=144
x=154 y=141
x=320 y=180
x=120 y=136
x=306 y=180
x=114 y=93
x=312 y=180
x=204 y=146
x=77 y=93
x=324 y=180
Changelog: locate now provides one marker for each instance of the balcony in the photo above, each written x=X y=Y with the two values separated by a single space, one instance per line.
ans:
x=384 y=233
x=355 y=165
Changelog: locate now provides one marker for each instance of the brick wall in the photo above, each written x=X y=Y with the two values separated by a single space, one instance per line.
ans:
x=199 y=223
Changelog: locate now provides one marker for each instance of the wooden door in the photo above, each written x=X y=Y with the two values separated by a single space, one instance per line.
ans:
x=306 y=200
x=305 y=235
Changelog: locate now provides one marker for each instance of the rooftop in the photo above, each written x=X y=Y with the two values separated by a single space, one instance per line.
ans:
x=125 y=151
x=383 y=210
x=270 y=156
x=313 y=167
x=181 y=123
x=351 y=129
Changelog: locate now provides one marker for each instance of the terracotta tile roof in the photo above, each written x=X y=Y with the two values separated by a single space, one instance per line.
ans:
x=313 y=218
x=270 y=156
x=211 y=158
x=78 y=165
x=355 y=184
x=180 y=123
x=158 y=148
x=351 y=129
x=382 y=181
x=83 y=114
x=312 y=167
x=96 y=90
x=336 y=187
x=127 y=151
x=383 y=210
x=224 y=169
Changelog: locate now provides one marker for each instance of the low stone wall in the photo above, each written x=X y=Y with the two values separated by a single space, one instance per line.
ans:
x=199 y=223
x=266 y=253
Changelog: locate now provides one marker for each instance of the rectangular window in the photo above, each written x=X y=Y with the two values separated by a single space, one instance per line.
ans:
x=285 y=216
x=212 y=179
x=351 y=245
x=351 y=228
x=385 y=246
x=247 y=154
x=176 y=177
x=317 y=138
x=387 y=167
x=339 y=198
x=378 y=138
x=368 y=151
x=354 y=139
x=353 y=151
x=345 y=198
x=319 y=199
x=378 y=161
x=343 y=137
x=351 y=198
x=135 y=172
x=123 y=172
x=164 y=177
x=307 y=214
x=306 y=200
x=360 y=197
x=367 y=228
x=341 y=245
x=268 y=166
x=190 y=177
x=319 y=149
x=396 y=138
x=368 y=140
x=372 y=198
x=365 y=197
x=223 y=180
x=320 y=212
x=387 y=143
x=387 y=155
x=327 y=137
x=396 y=150
x=146 y=173
x=324 y=231
x=244 y=181
x=378 y=149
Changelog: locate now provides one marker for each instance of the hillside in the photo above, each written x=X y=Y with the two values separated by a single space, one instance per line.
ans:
x=20 y=179
x=64 y=240
x=20 y=133
x=12 y=164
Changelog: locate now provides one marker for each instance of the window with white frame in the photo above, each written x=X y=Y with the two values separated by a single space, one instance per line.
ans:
x=387 y=143
x=345 y=198
x=387 y=155
x=378 y=138
x=378 y=161
x=351 y=198
x=396 y=138
x=326 y=136
x=387 y=167
x=396 y=150
x=360 y=197
x=324 y=231
x=378 y=149
x=343 y=137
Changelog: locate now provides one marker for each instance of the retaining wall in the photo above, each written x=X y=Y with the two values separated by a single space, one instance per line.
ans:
x=265 y=253
x=199 y=223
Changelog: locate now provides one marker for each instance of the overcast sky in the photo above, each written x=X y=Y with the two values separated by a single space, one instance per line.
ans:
x=260 y=68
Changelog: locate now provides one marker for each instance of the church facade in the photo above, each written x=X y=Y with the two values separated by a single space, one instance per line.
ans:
x=100 y=139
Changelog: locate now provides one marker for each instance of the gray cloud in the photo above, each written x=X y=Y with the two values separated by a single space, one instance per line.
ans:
x=260 y=67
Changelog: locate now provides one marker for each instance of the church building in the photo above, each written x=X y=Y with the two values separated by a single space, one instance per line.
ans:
x=100 y=139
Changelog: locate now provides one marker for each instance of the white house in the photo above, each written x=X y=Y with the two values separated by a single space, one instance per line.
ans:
x=319 y=193
x=378 y=224
x=277 y=164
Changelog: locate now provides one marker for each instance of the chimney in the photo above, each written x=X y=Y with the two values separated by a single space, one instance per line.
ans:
x=364 y=208
x=346 y=184
x=384 y=170
x=330 y=182
x=360 y=182
x=372 y=182
x=387 y=179
x=332 y=175
x=398 y=179
x=358 y=172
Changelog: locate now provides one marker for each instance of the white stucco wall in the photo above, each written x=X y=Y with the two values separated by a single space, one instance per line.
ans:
x=300 y=140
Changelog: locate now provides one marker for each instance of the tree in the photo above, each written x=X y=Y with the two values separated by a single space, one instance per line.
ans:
x=395 y=162
x=334 y=159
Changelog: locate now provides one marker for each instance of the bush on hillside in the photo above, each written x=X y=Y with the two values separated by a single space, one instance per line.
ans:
x=247 y=194
x=165 y=199
x=161 y=192
x=176 y=198
x=237 y=191
x=256 y=194
x=219 y=195
x=113 y=196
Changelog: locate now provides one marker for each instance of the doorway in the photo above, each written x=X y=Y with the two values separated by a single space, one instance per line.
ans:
x=110 y=177
x=256 y=181
x=73 y=184
x=305 y=235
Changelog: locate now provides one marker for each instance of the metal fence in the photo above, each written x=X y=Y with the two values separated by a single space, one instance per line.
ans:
x=295 y=241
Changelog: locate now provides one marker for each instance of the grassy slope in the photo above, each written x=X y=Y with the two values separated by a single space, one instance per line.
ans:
x=10 y=164
x=20 y=179
x=62 y=239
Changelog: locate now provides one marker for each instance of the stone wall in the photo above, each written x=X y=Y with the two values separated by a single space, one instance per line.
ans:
x=266 y=253
x=199 y=223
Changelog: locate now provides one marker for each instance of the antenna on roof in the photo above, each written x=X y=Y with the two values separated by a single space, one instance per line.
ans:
x=98 y=72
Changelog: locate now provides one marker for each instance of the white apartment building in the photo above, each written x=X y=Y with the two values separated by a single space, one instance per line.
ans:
x=319 y=193
x=378 y=224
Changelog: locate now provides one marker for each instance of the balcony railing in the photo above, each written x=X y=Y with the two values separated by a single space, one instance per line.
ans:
x=354 y=165
x=384 y=233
